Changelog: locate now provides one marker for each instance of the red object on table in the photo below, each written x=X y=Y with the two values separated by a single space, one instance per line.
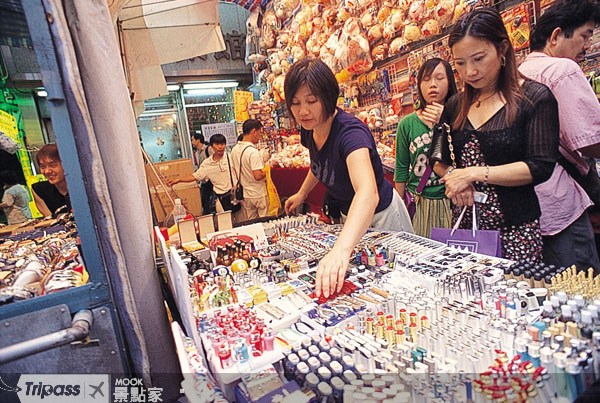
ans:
x=288 y=182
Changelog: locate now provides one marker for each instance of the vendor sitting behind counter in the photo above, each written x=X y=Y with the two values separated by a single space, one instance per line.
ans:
x=50 y=195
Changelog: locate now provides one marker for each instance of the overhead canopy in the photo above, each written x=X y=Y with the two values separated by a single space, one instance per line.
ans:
x=156 y=32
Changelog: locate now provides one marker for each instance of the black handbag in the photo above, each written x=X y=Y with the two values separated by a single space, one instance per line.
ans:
x=228 y=200
x=238 y=189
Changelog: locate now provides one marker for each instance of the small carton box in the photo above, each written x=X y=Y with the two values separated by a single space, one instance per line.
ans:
x=189 y=193
x=175 y=169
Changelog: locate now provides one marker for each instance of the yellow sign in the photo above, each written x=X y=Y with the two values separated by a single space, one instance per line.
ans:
x=8 y=124
x=241 y=101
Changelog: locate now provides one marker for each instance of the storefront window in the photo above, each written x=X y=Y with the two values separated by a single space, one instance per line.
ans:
x=208 y=103
x=159 y=129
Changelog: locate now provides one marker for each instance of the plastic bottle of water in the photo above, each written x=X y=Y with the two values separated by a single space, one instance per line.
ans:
x=179 y=212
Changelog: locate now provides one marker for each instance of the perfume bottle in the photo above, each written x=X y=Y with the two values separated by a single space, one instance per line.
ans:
x=225 y=357
x=241 y=351
x=268 y=340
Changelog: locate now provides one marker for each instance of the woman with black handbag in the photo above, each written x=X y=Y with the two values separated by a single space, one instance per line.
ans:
x=504 y=137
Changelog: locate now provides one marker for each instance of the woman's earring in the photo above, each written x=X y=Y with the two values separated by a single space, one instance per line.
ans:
x=503 y=61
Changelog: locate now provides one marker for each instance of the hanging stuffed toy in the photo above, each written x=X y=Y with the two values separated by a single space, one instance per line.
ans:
x=253 y=40
x=7 y=144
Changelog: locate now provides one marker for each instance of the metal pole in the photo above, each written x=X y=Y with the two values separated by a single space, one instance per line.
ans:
x=79 y=330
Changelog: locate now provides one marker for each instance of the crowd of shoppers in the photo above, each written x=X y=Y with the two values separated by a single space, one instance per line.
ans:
x=517 y=144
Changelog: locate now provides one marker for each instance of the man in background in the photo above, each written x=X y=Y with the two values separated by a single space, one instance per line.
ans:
x=247 y=165
x=202 y=151
x=215 y=169
x=559 y=41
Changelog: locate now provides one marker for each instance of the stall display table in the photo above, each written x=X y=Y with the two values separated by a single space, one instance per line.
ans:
x=410 y=309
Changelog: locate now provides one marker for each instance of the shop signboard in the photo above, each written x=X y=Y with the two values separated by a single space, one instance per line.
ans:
x=241 y=101
x=226 y=129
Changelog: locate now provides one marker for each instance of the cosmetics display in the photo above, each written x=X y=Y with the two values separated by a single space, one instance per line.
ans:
x=415 y=320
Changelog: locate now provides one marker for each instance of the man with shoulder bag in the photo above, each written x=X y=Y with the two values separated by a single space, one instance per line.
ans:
x=559 y=41
x=248 y=168
x=217 y=169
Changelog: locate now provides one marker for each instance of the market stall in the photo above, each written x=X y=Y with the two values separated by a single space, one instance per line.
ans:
x=415 y=318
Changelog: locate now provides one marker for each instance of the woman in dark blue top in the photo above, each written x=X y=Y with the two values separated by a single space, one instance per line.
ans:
x=344 y=157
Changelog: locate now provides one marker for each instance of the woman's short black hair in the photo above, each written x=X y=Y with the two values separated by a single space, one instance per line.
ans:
x=426 y=70
x=566 y=15
x=8 y=178
x=319 y=79
x=217 y=139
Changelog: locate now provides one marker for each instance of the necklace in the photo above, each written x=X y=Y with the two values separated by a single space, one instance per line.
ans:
x=479 y=101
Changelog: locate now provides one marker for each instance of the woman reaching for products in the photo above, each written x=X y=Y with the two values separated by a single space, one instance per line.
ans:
x=413 y=173
x=344 y=157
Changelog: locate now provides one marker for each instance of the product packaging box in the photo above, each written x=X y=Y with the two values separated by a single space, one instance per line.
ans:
x=188 y=192
x=175 y=169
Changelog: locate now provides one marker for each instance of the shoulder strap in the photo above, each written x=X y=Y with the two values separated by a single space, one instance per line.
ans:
x=229 y=166
x=424 y=179
x=570 y=168
x=240 y=171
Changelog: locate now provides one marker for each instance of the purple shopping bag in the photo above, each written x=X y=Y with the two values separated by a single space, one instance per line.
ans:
x=485 y=242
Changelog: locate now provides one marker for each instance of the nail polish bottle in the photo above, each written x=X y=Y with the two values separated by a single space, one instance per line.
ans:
x=586 y=325
x=324 y=374
x=548 y=311
x=336 y=368
x=348 y=363
x=268 y=340
x=311 y=381
x=348 y=376
x=303 y=354
x=291 y=362
x=325 y=393
x=555 y=304
x=338 y=389
x=336 y=354
x=324 y=358
x=313 y=351
x=302 y=371
x=313 y=364
x=324 y=346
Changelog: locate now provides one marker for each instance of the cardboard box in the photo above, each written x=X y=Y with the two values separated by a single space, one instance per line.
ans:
x=189 y=193
x=175 y=169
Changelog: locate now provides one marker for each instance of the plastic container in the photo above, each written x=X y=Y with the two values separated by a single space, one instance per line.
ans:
x=179 y=212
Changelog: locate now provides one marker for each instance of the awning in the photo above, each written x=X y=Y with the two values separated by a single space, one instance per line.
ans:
x=156 y=32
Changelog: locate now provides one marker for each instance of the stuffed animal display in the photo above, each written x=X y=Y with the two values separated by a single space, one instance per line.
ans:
x=348 y=35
